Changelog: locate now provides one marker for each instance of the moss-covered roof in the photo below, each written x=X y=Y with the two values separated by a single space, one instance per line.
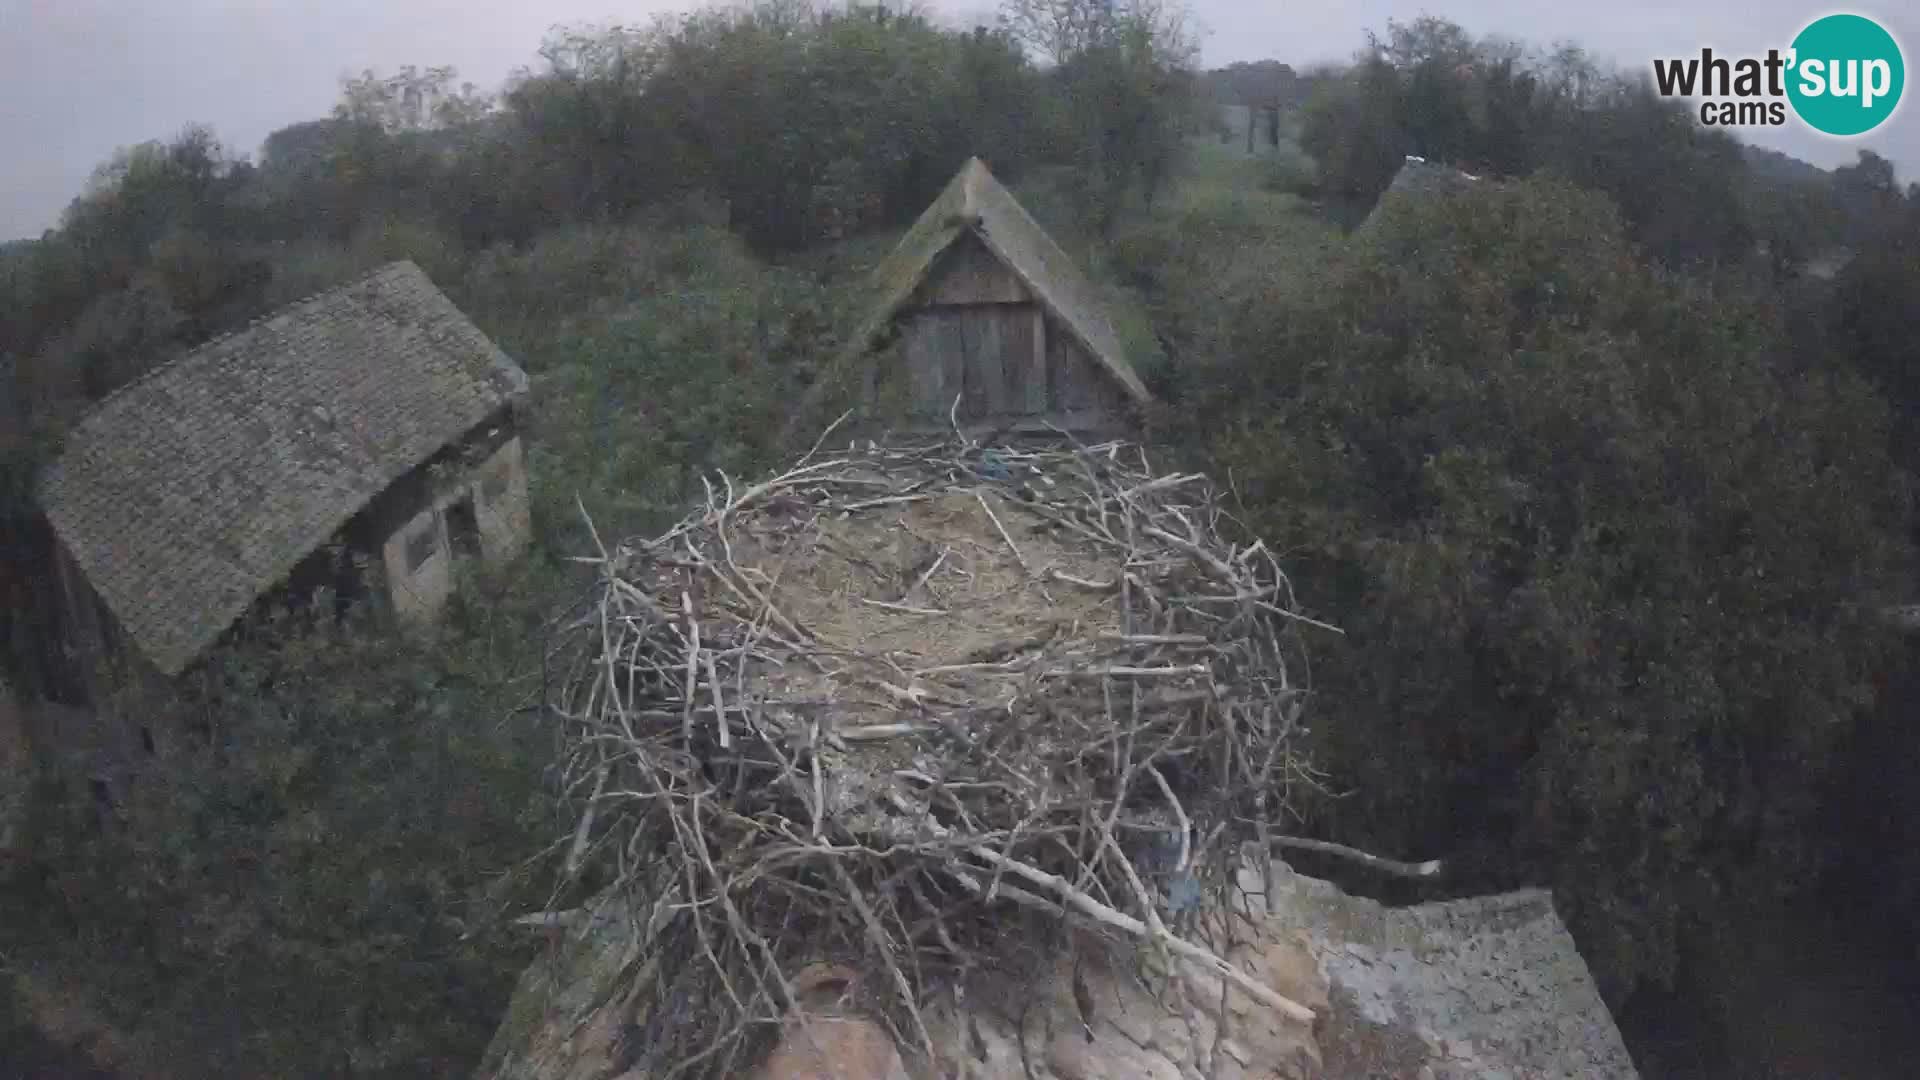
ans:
x=974 y=202
x=1419 y=179
x=190 y=492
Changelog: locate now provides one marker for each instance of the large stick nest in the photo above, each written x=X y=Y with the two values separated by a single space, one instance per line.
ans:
x=906 y=710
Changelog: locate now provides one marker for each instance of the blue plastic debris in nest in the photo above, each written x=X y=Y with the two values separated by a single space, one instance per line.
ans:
x=1183 y=893
x=1183 y=889
x=992 y=468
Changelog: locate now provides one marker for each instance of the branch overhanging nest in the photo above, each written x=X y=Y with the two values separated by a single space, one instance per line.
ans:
x=889 y=703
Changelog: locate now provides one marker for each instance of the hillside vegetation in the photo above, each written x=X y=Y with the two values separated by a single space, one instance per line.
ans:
x=1602 y=485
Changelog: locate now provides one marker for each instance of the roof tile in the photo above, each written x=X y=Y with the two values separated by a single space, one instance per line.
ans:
x=193 y=490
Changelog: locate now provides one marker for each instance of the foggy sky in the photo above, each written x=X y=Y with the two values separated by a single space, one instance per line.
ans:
x=80 y=78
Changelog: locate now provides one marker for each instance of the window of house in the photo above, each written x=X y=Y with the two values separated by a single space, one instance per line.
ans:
x=463 y=528
x=421 y=547
x=494 y=484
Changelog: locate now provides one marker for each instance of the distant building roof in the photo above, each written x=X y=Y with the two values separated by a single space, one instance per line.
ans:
x=190 y=492
x=974 y=202
x=1419 y=178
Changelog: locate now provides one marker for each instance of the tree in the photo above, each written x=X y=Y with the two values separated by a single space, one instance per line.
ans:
x=1428 y=88
x=1868 y=197
x=1876 y=299
x=148 y=256
x=144 y=191
x=1677 y=183
x=1793 y=222
x=411 y=100
x=1125 y=72
x=120 y=335
x=303 y=879
x=1596 y=548
x=1353 y=128
x=811 y=124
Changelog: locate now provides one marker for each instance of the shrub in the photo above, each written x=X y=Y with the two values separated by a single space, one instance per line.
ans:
x=301 y=882
x=1293 y=173
x=693 y=373
x=1596 y=548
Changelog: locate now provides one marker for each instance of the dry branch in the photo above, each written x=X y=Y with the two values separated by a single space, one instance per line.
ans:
x=1430 y=868
x=881 y=780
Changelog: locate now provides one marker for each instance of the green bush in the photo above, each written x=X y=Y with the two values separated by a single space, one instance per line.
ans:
x=1597 y=549
x=696 y=374
x=1293 y=173
x=302 y=881
x=811 y=124
x=1212 y=261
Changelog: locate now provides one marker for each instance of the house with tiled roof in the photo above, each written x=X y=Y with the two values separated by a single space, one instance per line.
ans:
x=361 y=441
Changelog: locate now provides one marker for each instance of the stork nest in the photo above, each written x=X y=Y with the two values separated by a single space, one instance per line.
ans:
x=896 y=709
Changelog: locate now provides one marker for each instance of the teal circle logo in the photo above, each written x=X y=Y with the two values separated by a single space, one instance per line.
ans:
x=1847 y=75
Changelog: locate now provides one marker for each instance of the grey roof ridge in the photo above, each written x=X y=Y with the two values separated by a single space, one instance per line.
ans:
x=1118 y=367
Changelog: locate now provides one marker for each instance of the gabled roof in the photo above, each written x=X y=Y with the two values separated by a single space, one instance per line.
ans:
x=974 y=202
x=190 y=492
x=1418 y=178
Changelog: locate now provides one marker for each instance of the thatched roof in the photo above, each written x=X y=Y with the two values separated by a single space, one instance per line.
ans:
x=975 y=203
x=190 y=492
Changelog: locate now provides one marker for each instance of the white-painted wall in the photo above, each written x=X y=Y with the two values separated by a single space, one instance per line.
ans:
x=420 y=593
x=505 y=522
x=498 y=488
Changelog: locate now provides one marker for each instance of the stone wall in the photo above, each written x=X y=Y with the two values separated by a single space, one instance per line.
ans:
x=1483 y=987
x=495 y=492
x=500 y=502
x=419 y=567
x=1488 y=986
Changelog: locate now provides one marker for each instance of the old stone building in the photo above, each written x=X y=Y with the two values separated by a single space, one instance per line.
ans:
x=979 y=317
x=360 y=441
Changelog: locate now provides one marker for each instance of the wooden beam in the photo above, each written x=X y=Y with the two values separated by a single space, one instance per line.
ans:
x=1035 y=383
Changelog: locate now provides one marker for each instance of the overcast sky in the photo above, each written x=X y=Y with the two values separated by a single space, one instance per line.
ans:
x=80 y=78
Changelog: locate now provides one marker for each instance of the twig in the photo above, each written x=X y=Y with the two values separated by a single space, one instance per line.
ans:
x=995 y=518
x=1299 y=618
x=1101 y=913
x=954 y=775
x=1121 y=672
x=1096 y=586
x=580 y=833
x=1430 y=868
x=553 y=920
x=821 y=441
x=1180 y=814
x=905 y=609
x=719 y=707
x=931 y=570
x=874 y=732
x=693 y=668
